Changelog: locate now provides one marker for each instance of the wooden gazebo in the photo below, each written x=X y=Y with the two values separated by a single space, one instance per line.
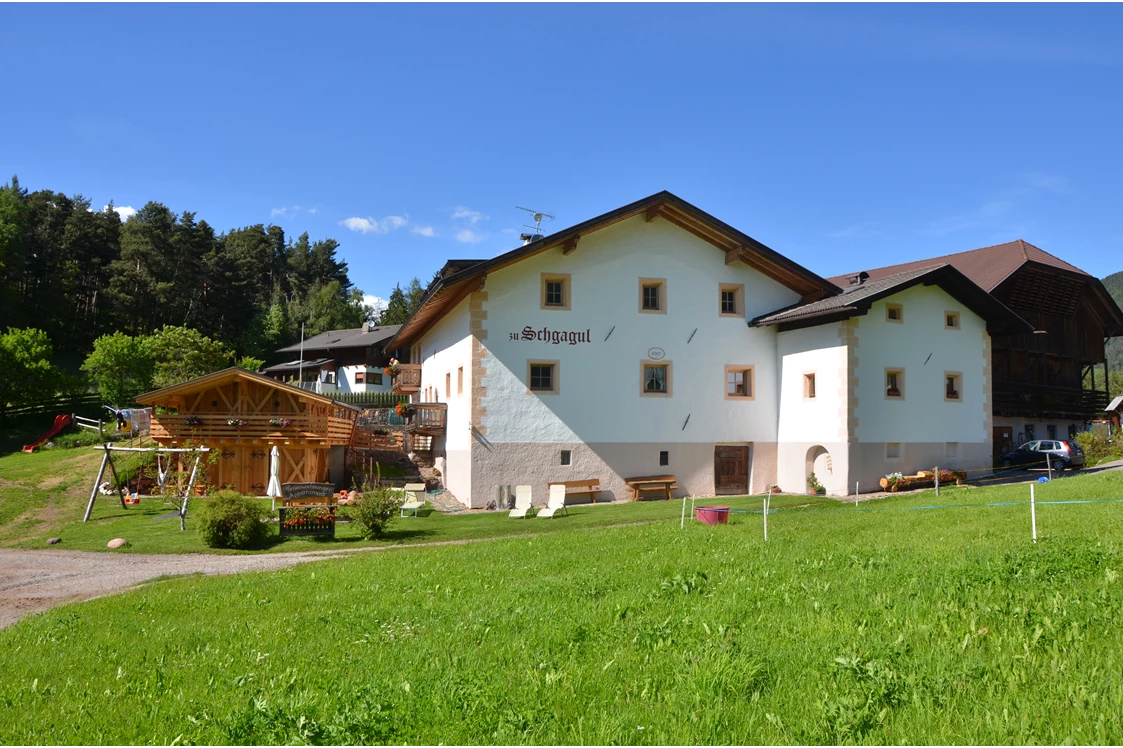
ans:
x=241 y=416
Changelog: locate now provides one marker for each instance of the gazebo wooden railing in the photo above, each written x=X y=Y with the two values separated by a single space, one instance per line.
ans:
x=329 y=429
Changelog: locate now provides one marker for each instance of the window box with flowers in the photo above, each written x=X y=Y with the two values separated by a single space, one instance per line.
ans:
x=236 y=422
x=281 y=423
x=296 y=521
x=192 y=421
x=392 y=368
x=405 y=410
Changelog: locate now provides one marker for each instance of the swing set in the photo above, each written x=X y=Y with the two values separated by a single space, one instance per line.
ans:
x=179 y=500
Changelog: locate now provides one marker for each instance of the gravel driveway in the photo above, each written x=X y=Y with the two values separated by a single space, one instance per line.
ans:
x=34 y=581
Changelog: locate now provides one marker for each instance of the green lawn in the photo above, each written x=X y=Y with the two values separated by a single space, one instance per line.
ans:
x=44 y=495
x=887 y=623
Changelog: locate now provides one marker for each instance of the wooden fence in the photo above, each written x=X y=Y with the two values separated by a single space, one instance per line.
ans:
x=88 y=404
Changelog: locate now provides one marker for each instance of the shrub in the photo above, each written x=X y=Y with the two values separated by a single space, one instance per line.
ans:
x=375 y=509
x=231 y=520
x=1098 y=447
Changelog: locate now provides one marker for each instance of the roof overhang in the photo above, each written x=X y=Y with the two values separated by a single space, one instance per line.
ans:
x=446 y=292
x=1000 y=319
x=225 y=376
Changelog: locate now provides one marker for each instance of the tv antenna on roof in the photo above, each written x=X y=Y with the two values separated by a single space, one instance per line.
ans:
x=538 y=216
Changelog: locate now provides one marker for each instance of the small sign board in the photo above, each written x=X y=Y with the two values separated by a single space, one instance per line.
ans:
x=656 y=354
x=291 y=491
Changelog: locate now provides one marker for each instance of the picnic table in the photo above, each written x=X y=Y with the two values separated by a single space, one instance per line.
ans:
x=665 y=483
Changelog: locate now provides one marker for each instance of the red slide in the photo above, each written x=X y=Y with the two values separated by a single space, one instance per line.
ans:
x=61 y=422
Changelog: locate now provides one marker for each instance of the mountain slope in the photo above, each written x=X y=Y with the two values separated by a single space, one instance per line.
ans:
x=1114 y=285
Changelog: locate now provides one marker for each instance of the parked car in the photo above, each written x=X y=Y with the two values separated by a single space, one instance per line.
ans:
x=1062 y=455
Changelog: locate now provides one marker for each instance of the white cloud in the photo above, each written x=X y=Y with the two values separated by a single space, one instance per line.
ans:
x=125 y=211
x=370 y=225
x=467 y=236
x=376 y=303
x=292 y=210
x=467 y=214
x=424 y=231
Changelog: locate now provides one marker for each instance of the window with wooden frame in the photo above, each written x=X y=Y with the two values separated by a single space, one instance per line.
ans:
x=655 y=379
x=895 y=384
x=731 y=299
x=542 y=377
x=653 y=295
x=448 y=385
x=953 y=383
x=360 y=377
x=555 y=291
x=738 y=382
x=460 y=381
x=809 y=386
x=894 y=313
x=375 y=377
x=951 y=320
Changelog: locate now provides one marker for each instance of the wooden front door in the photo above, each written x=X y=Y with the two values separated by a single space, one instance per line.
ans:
x=1003 y=440
x=731 y=470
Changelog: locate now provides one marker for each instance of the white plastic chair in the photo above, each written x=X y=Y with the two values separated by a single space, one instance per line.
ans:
x=555 y=502
x=522 y=502
x=415 y=495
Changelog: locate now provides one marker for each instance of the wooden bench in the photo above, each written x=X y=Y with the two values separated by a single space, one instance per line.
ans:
x=665 y=483
x=579 y=487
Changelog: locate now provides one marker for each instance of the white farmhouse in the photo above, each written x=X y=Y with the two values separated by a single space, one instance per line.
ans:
x=656 y=339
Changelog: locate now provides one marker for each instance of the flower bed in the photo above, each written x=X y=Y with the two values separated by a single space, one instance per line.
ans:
x=307 y=521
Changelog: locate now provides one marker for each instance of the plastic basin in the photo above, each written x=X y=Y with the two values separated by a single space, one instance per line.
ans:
x=712 y=515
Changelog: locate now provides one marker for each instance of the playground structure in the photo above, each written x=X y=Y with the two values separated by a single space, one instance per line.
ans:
x=61 y=422
x=179 y=499
x=134 y=421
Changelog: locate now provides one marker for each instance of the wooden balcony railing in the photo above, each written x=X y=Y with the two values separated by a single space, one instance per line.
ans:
x=211 y=426
x=407 y=379
x=1043 y=400
x=428 y=418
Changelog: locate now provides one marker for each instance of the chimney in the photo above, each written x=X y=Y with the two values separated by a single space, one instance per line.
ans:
x=859 y=279
x=366 y=327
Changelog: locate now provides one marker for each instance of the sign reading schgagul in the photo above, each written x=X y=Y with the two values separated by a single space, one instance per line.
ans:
x=306 y=490
x=555 y=337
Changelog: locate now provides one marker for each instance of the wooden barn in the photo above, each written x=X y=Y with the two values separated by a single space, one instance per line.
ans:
x=241 y=416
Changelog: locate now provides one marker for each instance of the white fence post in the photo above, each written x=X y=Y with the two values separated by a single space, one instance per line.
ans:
x=1033 y=512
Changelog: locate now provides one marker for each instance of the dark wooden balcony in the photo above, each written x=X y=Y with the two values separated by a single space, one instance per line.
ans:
x=1045 y=401
x=407 y=379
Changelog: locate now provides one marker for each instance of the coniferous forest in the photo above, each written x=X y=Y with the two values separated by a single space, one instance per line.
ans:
x=77 y=273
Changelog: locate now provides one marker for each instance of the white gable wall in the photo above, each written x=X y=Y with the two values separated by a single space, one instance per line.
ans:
x=599 y=414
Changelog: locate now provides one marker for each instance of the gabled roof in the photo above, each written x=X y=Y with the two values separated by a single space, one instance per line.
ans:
x=987 y=267
x=466 y=276
x=990 y=267
x=1116 y=405
x=857 y=300
x=314 y=363
x=337 y=339
x=224 y=376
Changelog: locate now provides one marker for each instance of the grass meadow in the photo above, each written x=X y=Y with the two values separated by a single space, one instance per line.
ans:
x=886 y=623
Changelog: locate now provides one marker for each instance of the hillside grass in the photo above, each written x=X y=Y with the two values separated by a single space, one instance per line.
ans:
x=886 y=623
x=44 y=495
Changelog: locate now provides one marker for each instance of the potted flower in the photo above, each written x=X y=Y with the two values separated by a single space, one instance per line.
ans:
x=774 y=488
x=392 y=369
x=192 y=421
x=815 y=486
x=280 y=423
x=236 y=422
x=405 y=410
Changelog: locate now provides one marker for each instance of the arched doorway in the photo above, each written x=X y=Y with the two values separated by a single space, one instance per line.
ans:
x=819 y=462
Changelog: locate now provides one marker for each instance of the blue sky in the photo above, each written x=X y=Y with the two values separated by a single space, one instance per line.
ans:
x=841 y=136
